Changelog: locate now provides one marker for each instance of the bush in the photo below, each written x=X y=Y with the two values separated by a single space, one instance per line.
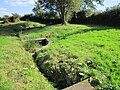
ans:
x=110 y=17
x=15 y=17
x=6 y=19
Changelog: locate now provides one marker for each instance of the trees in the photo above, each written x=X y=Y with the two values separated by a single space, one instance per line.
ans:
x=37 y=9
x=110 y=17
x=91 y=3
x=65 y=8
x=15 y=17
x=6 y=19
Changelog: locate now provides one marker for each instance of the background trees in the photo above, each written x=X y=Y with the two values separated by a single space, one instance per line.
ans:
x=6 y=19
x=110 y=17
x=65 y=8
x=91 y=3
x=37 y=9
x=15 y=17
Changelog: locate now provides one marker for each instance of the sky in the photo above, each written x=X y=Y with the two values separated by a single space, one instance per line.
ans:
x=25 y=6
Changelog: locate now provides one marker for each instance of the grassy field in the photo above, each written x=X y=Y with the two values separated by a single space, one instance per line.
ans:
x=75 y=53
x=78 y=52
x=17 y=69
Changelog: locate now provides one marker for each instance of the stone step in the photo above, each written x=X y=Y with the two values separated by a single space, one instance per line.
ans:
x=84 y=85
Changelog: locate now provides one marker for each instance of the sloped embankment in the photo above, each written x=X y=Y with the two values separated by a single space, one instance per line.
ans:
x=17 y=69
x=78 y=52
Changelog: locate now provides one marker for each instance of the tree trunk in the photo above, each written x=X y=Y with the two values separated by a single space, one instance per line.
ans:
x=62 y=15
x=64 y=21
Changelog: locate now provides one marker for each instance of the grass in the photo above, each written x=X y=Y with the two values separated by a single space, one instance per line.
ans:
x=88 y=49
x=75 y=53
x=17 y=69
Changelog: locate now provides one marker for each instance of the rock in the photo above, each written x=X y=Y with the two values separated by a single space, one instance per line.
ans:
x=84 y=85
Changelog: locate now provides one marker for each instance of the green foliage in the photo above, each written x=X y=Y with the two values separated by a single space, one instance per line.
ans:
x=31 y=46
x=91 y=4
x=37 y=9
x=29 y=24
x=50 y=15
x=15 y=17
x=109 y=17
x=6 y=18
x=65 y=8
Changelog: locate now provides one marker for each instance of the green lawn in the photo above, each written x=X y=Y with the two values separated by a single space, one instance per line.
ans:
x=87 y=49
x=75 y=52
x=17 y=69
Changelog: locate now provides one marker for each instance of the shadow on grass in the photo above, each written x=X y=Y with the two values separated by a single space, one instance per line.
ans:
x=6 y=30
x=13 y=29
x=35 y=30
x=9 y=30
x=83 y=31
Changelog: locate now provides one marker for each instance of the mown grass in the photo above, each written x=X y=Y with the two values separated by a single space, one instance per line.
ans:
x=90 y=50
x=17 y=68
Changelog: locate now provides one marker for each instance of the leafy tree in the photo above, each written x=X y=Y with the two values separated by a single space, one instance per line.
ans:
x=91 y=3
x=65 y=8
x=110 y=17
x=37 y=9
x=50 y=15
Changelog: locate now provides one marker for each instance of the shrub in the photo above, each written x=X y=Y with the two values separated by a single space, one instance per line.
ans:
x=6 y=19
x=15 y=17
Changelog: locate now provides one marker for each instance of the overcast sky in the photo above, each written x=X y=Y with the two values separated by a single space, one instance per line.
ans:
x=25 y=6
